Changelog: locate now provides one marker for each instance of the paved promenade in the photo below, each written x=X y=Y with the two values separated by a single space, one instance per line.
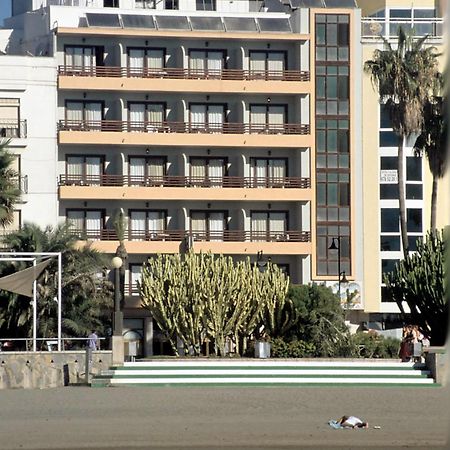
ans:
x=222 y=418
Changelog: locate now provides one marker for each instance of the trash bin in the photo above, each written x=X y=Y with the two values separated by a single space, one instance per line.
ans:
x=131 y=349
x=262 y=349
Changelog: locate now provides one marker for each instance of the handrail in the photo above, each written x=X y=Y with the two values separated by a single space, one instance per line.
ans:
x=374 y=27
x=186 y=74
x=184 y=181
x=11 y=128
x=208 y=236
x=182 y=127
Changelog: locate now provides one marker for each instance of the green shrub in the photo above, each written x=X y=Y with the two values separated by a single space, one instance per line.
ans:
x=375 y=346
x=293 y=349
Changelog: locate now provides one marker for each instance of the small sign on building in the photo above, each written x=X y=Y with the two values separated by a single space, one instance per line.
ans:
x=388 y=176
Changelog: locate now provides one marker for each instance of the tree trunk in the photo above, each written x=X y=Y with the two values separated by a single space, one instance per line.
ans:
x=401 y=196
x=434 y=192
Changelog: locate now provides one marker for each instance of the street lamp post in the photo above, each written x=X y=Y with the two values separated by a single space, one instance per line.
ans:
x=341 y=275
x=117 y=337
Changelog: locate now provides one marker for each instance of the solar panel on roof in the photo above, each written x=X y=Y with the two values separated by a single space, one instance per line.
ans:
x=340 y=3
x=274 y=6
x=137 y=21
x=240 y=24
x=103 y=20
x=206 y=23
x=172 y=23
x=274 y=25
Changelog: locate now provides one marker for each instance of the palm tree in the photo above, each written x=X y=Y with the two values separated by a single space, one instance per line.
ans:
x=9 y=186
x=404 y=76
x=432 y=142
x=86 y=297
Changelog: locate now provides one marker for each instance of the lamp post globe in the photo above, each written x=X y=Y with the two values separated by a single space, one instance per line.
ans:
x=116 y=262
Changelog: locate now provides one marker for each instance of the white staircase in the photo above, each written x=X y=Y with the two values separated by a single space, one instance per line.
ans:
x=201 y=372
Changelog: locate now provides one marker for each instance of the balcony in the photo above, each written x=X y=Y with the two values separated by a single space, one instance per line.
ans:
x=226 y=134
x=125 y=187
x=373 y=29
x=184 y=80
x=226 y=242
x=10 y=128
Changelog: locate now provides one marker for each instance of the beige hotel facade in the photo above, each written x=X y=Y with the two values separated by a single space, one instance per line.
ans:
x=245 y=127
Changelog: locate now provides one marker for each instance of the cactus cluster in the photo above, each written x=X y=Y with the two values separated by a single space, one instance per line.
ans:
x=418 y=280
x=201 y=298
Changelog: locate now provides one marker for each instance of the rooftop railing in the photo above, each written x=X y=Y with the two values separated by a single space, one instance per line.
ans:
x=185 y=74
x=185 y=181
x=373 y=28
x=208 y=236
x=183 y=127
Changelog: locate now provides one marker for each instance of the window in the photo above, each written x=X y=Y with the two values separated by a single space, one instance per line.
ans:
x=267 y=118
x=135 y=275
x=111 y=3
x=205 y=5
x=147 y=171
x=388 y=139
x=267 y=64
x=84 y=114
x=389 y=191
x=171 y=4
x=83 y=58
x=146 y=61
x=268 y=172
x=207 y=171
x=208 y=225
x=388 y=265
x=332 y=90
x=146 y=116
x=10 y=126
x=89 y=223
x=390 y=220
x=145 y=4
x=82 y=169
x=268 y=225
x=390 y=243
x=414 y=169
x=414 y=220
x=206 y=63
x=145 y=225
x=332 y=37
x=207 y=117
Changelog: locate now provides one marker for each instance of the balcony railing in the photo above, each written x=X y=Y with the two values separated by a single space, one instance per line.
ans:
x=208 y=236
x=181 y=181
x=373 y=28
x=13 y=128
x=185 y=74
x=22 y=183
x=182 y=127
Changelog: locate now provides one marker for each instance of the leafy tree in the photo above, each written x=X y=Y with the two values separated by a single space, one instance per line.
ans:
x=9 y=186
x=404 y=74
x=322 y=321
x=432 y=142
x=418 y=280
x=204 y=297
x=86 y=297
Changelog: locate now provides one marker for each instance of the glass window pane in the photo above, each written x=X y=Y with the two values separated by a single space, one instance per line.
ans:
x=332 y=87
x=332 y=141
x=414 y=220
x=343 y=143
x=388 y=191
x=388 y=265
x=344 y=194
x=390 y=220
x=343 y=34
x=320 y=87
x=321 y=194
x=332 y=33
x=412 y=242
x=331 y=54
x=321 y=53
x=400 y=13
x=385 y=121
x=390 y=243
x=414 y=168
x=332 y=194
x=414 y=192
x=389 y=163
x=388 y=139
x=321 y=135
x=320 y=33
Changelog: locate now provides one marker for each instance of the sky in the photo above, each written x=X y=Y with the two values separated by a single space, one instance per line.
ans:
x=5 y=10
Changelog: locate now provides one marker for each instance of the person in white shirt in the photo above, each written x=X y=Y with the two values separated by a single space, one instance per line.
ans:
x=352 y=422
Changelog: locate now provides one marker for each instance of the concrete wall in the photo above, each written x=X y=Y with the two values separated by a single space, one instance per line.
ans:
x=42 y=370
x=437 y=361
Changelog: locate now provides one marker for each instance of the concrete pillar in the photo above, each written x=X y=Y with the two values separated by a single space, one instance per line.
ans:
x=148 y=336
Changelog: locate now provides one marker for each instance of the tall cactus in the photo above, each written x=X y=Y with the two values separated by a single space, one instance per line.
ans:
x=418 y=280
x=197 y=296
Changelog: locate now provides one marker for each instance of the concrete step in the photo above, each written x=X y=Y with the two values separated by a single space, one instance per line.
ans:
x=265 y=373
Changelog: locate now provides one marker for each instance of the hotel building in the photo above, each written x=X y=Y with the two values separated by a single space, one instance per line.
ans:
x=235 y=124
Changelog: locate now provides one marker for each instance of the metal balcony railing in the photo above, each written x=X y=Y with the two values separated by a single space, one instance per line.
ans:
x=373 y=28
x=185 y=74
x=183 y=127
x=13 y=128
x=22 y=183
x=181 y=181
x=208 y=236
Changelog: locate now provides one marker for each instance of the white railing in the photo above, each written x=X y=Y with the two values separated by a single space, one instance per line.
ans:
x=373 y=28
x=80 y=3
